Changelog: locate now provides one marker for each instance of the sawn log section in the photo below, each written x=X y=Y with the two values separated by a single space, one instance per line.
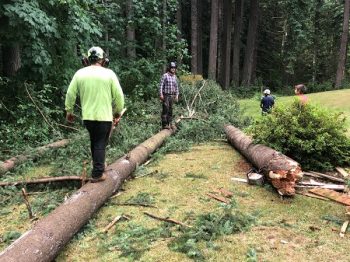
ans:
x=50 y=234
x=281 y=170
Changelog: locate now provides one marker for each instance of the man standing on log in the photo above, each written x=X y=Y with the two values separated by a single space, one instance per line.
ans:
x=102 y=101
x=168 y=93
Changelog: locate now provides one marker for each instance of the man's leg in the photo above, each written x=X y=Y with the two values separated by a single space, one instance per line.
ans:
x=99 y=132
x=170 y=109
x=165 y=111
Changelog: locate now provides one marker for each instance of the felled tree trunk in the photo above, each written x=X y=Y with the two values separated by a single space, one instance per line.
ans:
x=52 y=233
x=281 y=170
x=14 y=161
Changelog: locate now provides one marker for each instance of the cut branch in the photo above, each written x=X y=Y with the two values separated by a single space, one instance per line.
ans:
x=26 y=201
x=281 y=170
x=42 y=180
x=115 y=220
x=218 y=198
x=135 y=204
x=169 y=220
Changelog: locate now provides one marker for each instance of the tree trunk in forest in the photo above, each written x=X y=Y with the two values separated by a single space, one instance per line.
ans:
x=213 y=43
x=50 y=234
x=11 y=59
x=343 y=46
x=315 y=41
x=236 y=47
x=14 y=161
x=164 y=33
x=194 y=37
x=281 y=170
x=220 y=34
x=179 y=27
x=200 y=38
x=130 y=30
x=251 y=43
x=225 y=77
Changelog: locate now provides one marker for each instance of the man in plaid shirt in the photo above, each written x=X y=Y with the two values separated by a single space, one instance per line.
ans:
x=168 y=93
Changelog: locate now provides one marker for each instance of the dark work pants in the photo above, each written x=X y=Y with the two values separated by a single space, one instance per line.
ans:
x=99 y=134
x=167 y=112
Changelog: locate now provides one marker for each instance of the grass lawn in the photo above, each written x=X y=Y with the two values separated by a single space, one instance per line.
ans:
x=337 y=100
x=285 y=230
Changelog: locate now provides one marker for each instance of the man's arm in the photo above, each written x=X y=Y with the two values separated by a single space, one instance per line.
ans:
x=70 y=99
x=161 y=87
x=117 y=96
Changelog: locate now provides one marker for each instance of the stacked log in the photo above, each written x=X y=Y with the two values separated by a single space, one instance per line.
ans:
x=282 y=171
x=50 y=234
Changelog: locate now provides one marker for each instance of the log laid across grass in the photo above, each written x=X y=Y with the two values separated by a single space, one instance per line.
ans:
x=50 y=234
x=282 y=171
x=9 y=164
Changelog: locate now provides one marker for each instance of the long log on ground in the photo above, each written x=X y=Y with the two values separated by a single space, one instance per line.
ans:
x=9 y=164
x=281 y=170
x=50 y=234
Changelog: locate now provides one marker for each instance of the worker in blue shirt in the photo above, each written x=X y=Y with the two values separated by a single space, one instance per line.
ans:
x=267 y=102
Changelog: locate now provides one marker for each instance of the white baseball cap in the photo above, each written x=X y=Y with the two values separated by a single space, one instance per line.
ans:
x=267 y=91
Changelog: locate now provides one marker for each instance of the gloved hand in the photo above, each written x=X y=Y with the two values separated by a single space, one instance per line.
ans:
x=70 y=117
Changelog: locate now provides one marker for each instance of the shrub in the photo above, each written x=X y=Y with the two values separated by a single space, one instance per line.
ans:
x=312 y=135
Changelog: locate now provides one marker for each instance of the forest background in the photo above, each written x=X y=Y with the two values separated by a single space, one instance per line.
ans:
x=243 y=45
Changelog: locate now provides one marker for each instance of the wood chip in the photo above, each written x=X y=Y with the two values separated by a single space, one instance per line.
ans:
x=343 y=228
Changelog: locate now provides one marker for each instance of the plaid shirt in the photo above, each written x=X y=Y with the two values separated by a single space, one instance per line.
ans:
x=168 y=85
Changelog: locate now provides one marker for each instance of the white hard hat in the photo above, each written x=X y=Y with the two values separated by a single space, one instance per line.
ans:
x=96 y=52
x=267 y=91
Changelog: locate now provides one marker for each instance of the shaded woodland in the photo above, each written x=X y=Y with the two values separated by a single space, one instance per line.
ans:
x=244 y=45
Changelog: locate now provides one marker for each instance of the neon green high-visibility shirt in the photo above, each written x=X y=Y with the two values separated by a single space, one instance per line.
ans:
x=100 y=93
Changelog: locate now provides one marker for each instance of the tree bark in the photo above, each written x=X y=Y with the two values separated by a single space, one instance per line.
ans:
x=200 y=38
x=11 y=59
x=237 y=42
x=225 y=77
x=194 y=37
x=164 y=31
x=281 y=170
x=130 y=30
x=14 y=161
x=213 y=43
x=52 y=233
x=179 y=27
x=220 y=42
x=343 y=46
x=251 y=42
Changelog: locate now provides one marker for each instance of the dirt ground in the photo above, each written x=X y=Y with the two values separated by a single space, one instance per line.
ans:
x=294 y=229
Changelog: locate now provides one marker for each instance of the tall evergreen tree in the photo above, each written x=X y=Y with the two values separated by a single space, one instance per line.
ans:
x=343 y=46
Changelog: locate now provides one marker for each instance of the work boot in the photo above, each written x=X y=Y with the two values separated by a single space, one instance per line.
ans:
x=166 y=127
x=99 y=179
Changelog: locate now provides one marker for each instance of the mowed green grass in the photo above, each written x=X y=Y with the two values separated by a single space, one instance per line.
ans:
x=338 y=100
